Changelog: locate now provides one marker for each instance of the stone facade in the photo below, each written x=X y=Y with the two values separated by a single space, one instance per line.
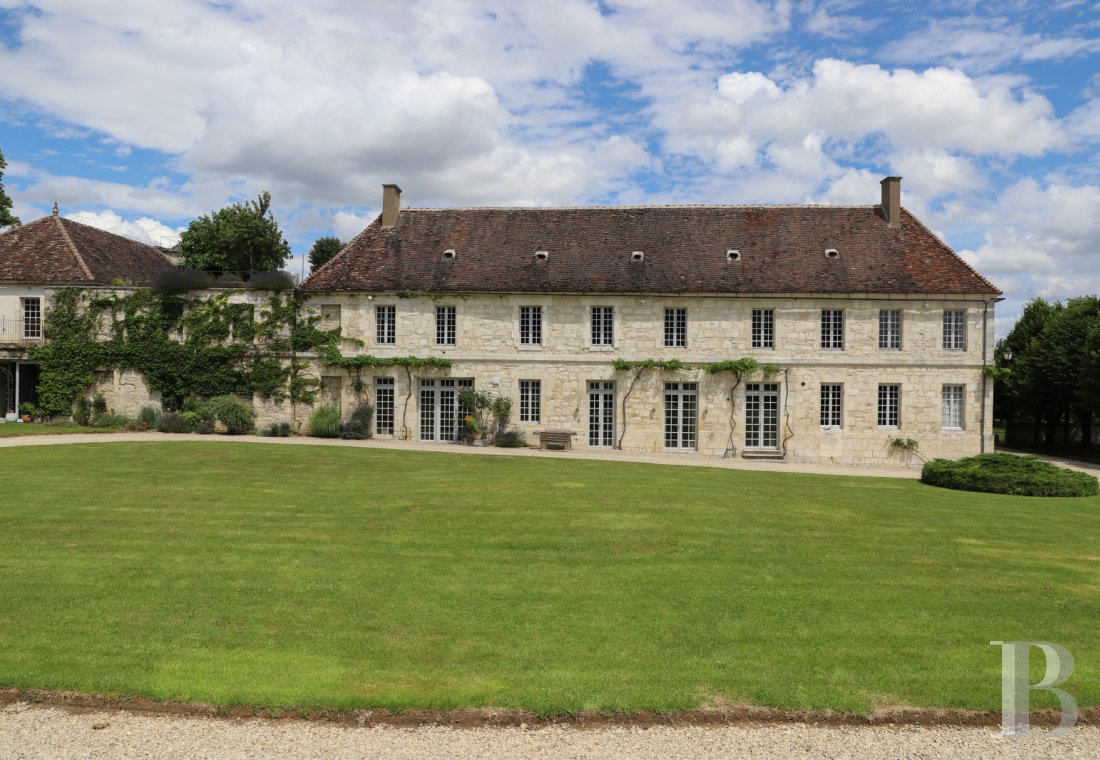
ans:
x=488 y=351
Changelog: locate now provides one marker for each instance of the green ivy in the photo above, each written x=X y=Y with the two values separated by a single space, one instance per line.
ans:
x=184 y=346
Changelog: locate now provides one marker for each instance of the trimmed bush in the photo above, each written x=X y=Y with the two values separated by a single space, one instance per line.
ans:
x=150 y=416
x=271 y=281
x=510 y=439
x=325 y=421
x=229 y=280
x=237 y=416
x=174 y=423
x=278 y=430
x=177 y=280
x=358 y=425
x=1008 y=474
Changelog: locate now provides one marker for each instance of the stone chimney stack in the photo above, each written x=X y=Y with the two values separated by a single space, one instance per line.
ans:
x=391 y=204
x=891 y=201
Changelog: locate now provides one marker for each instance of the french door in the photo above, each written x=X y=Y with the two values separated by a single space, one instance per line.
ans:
x=762 y=416
x=601 y=413
x=441 y=416
x=681 y=407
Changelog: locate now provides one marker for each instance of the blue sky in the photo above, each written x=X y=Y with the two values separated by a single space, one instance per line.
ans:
x=137 y=117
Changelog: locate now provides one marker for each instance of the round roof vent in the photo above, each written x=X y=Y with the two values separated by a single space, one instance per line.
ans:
x=637 y=256
x=449 y=254
x=733 y=255
x=832 y=253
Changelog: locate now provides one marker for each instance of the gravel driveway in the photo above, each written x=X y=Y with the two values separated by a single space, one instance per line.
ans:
x=28 y=731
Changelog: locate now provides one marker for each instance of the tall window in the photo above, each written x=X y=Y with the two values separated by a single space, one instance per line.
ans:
x=954 y=329
x=383 y=405
x=830 y=405
x=953 y=407
x=889 y=405
x=889 y=329
x=676 y=328
x=32 y=318
x=832 y=328
x=603 y=326
x=530 y=325
x=763 y=328
x=530 y=400
x=445 y=325
x=385 y=325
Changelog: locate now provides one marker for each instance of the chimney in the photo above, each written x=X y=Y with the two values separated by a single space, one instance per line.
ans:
x=891 y=201
x=391 y=204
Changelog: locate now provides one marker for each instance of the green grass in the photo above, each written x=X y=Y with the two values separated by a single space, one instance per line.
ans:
x=10 y=429
x=339 y=577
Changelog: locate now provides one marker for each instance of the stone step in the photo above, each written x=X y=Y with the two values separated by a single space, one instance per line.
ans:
x=776 y=456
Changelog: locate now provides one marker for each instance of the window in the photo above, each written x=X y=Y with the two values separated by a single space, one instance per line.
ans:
x=889 y=329
x=530 y=325
x=601 y=413
x=954 y=330
x=385 y=325
x=889 y=405
x=32 y=318
x=832 y=328
x=603 y=326
x=830 y=405
x=383 y=405
x=445 y=325
x=763 y=328
x=953 y=407
x=676 y=328
x=530 y=400
x=681 y=404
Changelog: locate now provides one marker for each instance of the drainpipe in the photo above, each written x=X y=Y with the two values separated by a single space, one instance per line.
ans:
x=985 y=379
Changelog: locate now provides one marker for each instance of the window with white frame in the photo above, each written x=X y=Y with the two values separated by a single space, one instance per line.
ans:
x=889 y=405
x=676 y=321
x=383 y=405
x=385 y=325
x=763 y=328
x=530 y=400
x=832 y=328
x=603 y=326
x=953 y=407
x=530 y=325
x=831 y=405
x=445 y=325
x=954 y=329
x=889 y=329
x=32 y=318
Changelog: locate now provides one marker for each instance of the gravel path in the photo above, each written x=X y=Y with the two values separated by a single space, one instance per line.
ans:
x=28 y=731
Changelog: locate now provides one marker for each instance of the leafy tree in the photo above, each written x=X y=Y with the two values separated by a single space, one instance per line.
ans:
x=323 y=251
x=6 y=217
x=238 y=239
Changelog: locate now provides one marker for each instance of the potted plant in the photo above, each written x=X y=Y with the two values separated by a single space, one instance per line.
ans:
x=27 y=410
x=473 y=427
x=11 y=415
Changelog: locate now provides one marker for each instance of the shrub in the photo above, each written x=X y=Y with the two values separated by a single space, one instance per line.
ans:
x=271 y=281
x=229 y=280
x=177 y=280
x=111 y=420
x=204 y=428
x=1008 y=474
x=200 y=410
x=174 y=423
x=148 y=417
x=510 y=439
x=237 y=416
x=358 y=425
x=99 y=405
x=82 y=413
x=325 y=421
x=58 y=422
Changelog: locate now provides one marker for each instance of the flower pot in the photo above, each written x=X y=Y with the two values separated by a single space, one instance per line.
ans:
x=11 y=417
x=26 y=418
x=476 y=435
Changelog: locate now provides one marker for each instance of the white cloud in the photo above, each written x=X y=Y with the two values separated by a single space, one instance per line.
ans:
x=144 y=230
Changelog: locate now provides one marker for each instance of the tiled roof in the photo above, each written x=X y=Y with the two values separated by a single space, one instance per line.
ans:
x=782 y=250
x=52 y=250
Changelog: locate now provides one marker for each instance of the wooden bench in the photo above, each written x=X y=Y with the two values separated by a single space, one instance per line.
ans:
x=556 y=439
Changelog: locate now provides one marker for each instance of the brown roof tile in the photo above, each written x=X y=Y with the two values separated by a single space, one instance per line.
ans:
x=55 y=250
x=782 y=251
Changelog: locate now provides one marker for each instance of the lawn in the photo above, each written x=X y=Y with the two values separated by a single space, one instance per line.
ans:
x=10 y=429
x=349 y=577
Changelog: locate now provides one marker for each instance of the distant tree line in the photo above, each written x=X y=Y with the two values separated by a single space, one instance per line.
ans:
x=1050 y=374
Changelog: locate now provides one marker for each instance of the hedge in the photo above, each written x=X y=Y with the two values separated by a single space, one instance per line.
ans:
x=1008 y=474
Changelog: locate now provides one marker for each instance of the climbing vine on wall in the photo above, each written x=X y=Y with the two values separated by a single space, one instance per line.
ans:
x=184 y=346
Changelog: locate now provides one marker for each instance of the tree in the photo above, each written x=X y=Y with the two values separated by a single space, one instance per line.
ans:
x=6 y=217
x=238 y=239
x=323 y=250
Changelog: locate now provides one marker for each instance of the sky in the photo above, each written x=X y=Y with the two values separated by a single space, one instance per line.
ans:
x=137 y=117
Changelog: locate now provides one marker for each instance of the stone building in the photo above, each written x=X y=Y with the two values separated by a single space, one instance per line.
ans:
x=878 y=329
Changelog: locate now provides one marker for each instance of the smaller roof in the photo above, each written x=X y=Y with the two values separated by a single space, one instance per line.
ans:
x=56 y=251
